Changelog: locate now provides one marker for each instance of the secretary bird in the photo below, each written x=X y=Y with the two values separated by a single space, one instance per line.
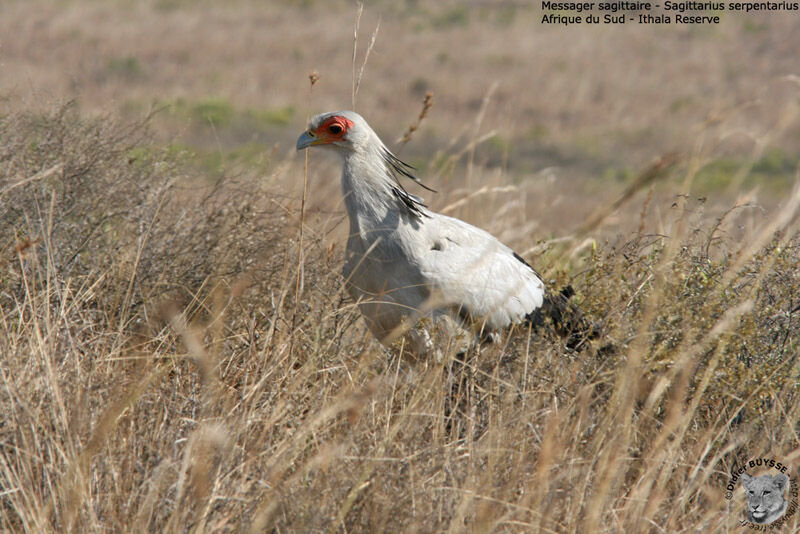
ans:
x=405 y=263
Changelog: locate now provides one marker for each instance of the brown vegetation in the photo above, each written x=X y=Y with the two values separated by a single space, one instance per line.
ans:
x=177 y=354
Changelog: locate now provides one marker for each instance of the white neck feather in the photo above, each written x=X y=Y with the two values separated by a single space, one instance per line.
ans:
x=367 y=188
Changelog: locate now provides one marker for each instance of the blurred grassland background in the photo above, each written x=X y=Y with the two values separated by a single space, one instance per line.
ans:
x=176 y=350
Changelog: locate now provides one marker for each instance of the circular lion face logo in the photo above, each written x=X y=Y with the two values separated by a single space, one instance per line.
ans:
x=765 y=497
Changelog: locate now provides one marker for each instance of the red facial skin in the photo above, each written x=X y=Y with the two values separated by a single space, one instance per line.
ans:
x=333 y=129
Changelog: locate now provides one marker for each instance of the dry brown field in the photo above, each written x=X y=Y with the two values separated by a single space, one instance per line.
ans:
x=176 y=350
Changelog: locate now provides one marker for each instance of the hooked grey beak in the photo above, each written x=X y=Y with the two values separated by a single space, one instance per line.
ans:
x=306 y=140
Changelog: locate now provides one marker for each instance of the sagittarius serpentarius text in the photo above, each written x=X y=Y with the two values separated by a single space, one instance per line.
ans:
x=405 y=262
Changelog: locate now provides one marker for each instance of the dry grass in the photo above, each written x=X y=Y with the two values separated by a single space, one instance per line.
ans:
x=161 y=374
x=177 y=354
x=584 y=103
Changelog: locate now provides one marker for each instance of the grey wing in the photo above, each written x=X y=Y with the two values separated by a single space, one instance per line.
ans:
x=474 y=273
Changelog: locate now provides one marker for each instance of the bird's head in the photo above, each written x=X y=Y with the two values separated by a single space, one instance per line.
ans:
x=349 y=134
x=342 y=130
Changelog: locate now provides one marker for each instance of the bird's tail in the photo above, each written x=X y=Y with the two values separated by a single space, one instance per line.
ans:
x=568 y=321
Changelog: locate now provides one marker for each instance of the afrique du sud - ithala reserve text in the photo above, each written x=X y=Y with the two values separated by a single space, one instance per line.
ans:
x=625 y=12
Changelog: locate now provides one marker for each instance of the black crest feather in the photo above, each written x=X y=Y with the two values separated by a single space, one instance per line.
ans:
x=396 y=168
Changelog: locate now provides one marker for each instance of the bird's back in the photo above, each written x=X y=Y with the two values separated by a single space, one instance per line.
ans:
x=438 y=265
x=483 y=279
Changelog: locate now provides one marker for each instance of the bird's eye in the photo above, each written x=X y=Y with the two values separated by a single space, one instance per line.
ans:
x=335 y=129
